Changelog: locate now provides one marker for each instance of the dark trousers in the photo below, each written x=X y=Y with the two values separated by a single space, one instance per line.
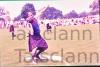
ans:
x=40 y=50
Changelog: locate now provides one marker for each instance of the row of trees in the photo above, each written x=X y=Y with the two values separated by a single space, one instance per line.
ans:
x=95 y=7
x=49 y=13
x=4 y=14
x=53 y=13
x=2 y=11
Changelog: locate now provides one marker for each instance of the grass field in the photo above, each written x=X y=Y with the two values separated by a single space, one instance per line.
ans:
x=68 y=47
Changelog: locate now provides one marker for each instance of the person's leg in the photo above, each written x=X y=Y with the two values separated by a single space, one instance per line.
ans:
x=39 y=50
x=41 y=47
x=30 y=47
x=29 y=43
x=12 y=35
x=50 y=30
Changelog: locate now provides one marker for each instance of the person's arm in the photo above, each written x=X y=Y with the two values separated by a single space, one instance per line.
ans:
x=30 y=30
x=39 y=12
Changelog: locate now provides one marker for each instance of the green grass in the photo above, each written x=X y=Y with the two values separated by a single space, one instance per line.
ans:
x=10 y=58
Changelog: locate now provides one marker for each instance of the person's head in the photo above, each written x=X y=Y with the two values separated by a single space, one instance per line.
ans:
x=29 y=13
x=2 y=20
x=30 y=16
x=28 y=9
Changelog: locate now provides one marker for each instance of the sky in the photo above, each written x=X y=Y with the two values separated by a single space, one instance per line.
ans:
x=14 y=7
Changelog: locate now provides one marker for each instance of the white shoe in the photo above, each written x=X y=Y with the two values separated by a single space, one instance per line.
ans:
x=34 y=62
